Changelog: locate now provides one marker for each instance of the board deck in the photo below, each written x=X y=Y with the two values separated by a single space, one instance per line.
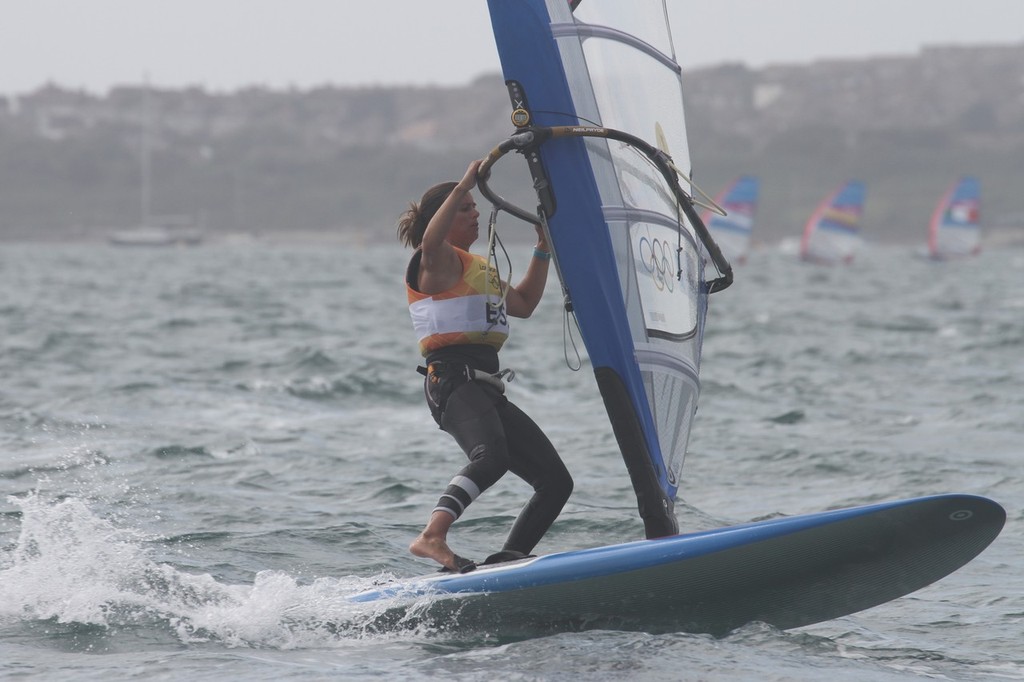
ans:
x=786 y=572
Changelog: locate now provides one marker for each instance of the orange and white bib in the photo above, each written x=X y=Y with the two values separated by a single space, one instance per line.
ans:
x=470 y=312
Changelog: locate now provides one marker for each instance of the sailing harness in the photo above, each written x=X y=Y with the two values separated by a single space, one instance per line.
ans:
x=443 y=377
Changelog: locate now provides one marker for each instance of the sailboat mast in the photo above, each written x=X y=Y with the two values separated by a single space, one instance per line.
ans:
x=145 y=154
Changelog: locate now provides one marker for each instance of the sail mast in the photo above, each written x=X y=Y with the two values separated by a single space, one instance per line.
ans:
x=145 y=156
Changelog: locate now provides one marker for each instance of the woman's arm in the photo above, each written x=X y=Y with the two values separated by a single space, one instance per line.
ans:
x=440 y=266
x=523 y=298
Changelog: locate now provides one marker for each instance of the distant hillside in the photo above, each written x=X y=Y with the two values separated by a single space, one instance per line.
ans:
x=907 y=126
x=349 y=159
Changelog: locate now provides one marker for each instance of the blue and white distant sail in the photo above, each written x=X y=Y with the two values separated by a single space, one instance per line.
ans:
x=832 y=235
x=733 y=231
x=955 y=227
x=628 y=253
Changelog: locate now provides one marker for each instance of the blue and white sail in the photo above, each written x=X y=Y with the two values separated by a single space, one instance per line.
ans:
x=955 y=227
x=832 y=234
x=734 y=230
x=599 y=80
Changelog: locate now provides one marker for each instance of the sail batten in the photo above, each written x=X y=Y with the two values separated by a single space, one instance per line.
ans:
x=630 y=260
x=585 y=31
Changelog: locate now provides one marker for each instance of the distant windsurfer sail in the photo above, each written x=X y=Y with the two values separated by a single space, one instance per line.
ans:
x=832 y=235
x=955 y=227
x=733 y=231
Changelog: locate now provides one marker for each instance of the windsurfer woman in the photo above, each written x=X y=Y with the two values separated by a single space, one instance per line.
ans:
x=461 y=321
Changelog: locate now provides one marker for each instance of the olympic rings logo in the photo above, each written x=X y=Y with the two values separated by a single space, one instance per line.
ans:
x=654 y=256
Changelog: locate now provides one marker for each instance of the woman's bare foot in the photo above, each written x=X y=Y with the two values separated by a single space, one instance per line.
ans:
x=432 y=543
x=433 y=547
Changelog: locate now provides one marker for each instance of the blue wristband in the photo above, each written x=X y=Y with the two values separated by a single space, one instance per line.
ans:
x=543 y=255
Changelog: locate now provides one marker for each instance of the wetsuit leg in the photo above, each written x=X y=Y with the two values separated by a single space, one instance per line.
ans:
x=471 y=417
x=534 y=459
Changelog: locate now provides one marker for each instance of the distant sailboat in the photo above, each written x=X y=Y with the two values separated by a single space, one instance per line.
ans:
x=154 y=230
x=832 y=235
x=955 y=228
x=732 y=232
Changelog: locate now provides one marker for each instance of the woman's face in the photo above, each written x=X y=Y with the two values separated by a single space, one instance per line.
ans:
x=465 y=228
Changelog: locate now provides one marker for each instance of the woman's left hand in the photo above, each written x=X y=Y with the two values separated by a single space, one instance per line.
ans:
x=542 y=241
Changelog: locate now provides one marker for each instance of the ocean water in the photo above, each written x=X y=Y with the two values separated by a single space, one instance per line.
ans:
x=203 y=451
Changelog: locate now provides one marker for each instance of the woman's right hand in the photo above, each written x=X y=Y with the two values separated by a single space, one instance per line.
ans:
x=468 y=180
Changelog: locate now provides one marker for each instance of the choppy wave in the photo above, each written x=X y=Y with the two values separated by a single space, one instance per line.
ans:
x=82 y=574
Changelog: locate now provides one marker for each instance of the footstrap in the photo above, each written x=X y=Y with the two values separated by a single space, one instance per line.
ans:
x=462 y=565
x=506 y=555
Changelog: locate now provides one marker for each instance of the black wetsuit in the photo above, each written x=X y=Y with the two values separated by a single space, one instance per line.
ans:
x=497 y=437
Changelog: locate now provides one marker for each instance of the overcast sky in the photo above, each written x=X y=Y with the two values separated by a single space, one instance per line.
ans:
x=227 y=44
